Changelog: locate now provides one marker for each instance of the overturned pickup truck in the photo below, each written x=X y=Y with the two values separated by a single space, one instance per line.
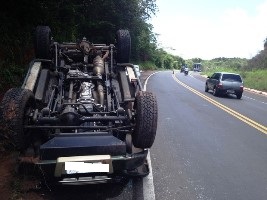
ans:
x=81 y=114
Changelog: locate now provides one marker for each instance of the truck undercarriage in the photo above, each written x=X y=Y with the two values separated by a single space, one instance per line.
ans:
x=81 y=114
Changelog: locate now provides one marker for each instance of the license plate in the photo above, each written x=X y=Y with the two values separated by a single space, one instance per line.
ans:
x=83 y=164
x=230 y=91
x=83 y=167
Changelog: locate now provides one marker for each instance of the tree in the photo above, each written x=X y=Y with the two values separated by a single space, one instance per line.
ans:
x=70 y=20
x=168 y=61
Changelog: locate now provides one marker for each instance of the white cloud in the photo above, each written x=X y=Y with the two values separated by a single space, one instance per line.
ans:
x=234 y=33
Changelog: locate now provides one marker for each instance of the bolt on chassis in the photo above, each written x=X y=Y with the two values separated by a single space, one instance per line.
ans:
x=81 y=114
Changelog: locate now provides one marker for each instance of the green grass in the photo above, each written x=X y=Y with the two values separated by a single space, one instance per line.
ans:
x=11 y=75
x=255 y=79
x=210 y=71
x=147 y=66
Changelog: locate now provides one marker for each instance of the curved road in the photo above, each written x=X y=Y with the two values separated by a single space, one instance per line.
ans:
x=207 y=147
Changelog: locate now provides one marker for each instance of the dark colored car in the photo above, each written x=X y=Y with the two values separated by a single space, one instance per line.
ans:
x=182 y=68
x=225 y=83
x=81 y=115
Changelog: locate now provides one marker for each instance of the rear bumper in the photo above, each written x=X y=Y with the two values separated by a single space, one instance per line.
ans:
x=119 y=163
x=122 y=166
x=89 y=149
x=229 y=91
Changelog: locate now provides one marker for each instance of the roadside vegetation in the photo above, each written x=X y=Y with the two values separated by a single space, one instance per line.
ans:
x=98 y=22
x=71 y=20
x=255 y=79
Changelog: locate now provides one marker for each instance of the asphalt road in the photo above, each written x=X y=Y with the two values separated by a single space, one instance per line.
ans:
x=207 y=147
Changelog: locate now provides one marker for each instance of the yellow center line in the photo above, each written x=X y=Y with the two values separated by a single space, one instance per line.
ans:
x=243 y=118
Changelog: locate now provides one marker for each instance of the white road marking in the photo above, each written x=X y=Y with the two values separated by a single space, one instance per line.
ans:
x=250 y=98
x=148 y=184
x=147 y=80
x=255 y=100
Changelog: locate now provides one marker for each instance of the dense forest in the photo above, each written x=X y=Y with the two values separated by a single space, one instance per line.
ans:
x=98 y=21
x=73 y=19
x=70 y=20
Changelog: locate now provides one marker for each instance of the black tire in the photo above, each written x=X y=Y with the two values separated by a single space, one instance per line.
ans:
x=123 y=45
x=215 y=92
x=146 y=120
x=15 y=108
x=206 y=88
x=42 y=42
x=239 y=95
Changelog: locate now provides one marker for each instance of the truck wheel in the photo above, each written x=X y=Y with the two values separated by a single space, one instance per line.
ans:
x=215 y=92
x=15 y=109
x=146 y=120
x=42 y=42
x=123 y=46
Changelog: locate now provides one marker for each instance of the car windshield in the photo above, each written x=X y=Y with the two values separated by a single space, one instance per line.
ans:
x=231 y=77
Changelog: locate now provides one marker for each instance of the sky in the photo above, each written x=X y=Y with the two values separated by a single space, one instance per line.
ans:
x=209 y=29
